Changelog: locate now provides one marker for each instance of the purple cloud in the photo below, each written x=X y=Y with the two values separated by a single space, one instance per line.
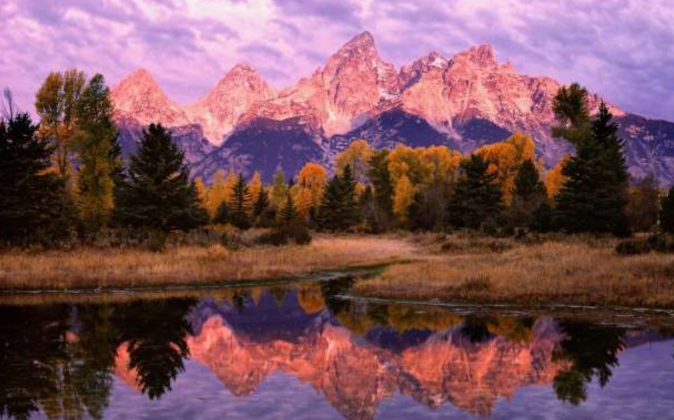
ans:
x=622 y=49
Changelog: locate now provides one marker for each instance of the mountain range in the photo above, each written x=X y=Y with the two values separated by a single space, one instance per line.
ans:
x=463 y=102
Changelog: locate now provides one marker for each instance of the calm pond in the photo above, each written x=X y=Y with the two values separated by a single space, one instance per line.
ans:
x=302 y=352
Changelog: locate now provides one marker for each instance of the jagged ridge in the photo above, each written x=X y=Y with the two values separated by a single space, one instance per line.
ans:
x=463 y=102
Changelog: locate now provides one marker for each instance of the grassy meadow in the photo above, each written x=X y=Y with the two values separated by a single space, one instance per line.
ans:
x=184 y=265
x=553 y=270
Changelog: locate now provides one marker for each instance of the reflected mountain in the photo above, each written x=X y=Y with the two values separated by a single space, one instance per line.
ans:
x=63 y=360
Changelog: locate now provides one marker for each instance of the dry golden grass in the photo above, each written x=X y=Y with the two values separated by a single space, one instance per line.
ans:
x=565 y=271
x=118 y=268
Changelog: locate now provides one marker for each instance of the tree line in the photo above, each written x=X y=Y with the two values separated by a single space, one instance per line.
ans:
x=65 y=179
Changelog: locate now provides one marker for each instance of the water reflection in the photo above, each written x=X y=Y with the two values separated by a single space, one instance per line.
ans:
x=63 y=360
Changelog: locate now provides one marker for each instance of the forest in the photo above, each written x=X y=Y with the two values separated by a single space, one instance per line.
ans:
x=66 y=184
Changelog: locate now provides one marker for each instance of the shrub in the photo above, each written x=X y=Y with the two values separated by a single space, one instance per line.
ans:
x=657 y=242
x=282 y=235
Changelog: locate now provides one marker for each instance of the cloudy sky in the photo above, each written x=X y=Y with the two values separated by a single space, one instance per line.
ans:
x=622 y=49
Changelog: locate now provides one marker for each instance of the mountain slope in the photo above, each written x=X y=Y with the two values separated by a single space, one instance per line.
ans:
x=463 y=102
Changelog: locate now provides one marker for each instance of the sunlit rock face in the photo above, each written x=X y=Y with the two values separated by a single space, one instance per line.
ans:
x=461 y=102
x=220 y=109
x=139 y=97
x=355 y=378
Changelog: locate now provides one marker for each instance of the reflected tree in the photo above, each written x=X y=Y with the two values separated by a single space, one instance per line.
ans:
x=476 y=329
x=36 y=365
x=592 y=351
x=333 y=290
x=95 y=351
x=155 y=333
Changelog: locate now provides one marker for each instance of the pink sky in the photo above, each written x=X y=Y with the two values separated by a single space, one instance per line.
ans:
x=622 y=49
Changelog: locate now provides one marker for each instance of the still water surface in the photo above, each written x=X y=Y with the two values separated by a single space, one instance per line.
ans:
x=300 y=352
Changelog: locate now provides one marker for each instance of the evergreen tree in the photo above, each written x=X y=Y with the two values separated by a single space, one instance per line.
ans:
x=667 y=212
x=262 y=203
x=222 y=215
x=380 y=177
x=263 y=212
x=158 y=193
x=594 y=197
x=529 y=194
x=32 y=200
x=368 y=209
x=288 y=214
x=339 y=209
x=240 y=205
x=330 y=210
x=572 y=113
x=349 y=204
x=477 y=198
x=95 y=142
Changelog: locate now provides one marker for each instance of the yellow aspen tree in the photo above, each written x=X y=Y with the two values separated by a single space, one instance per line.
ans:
x=279 y=189
x=310 y=184
x=505 y=159
x=554 y=179
x=405 y=161
x=217 y=193
x=202 y=190
x=357 y=156
x=441 y=163
x=255 y=187
x=303 y=201
x=230 y=183
x=404 y=196
x=313 y=177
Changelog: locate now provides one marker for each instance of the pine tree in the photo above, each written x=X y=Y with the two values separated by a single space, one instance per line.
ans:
x=31 y=198
x=594 y=197
x=239 y=212
x=667 y=213
x=95 y=142
x=330 y=210
x=158 y=193
x=339 y=208
x=288 y=214
x=528 y=194
x=477 y=198
x=262 y=202
x=350 y=213
x=380 y=177
x=222 y=215
x=262 y=210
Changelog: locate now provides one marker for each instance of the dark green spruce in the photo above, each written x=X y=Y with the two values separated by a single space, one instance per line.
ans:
x=33 y=206
x=339 y=208
x=158 y=193
x=595 y=196
x=529 y=194
x=477 y=198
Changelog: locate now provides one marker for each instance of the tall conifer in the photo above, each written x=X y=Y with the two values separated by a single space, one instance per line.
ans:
x=158 y=193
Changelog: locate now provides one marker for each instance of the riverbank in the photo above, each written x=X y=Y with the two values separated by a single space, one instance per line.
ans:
x=551 y=270
x=558 y=270
x=90 y=268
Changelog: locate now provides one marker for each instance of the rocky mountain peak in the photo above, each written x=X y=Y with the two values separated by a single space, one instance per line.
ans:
x=220 y=109
x=480 y=55
x=362 y=41
x=410 y=74
x=140 y=96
